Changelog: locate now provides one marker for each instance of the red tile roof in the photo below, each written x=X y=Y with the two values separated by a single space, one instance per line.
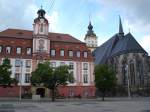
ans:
x=27 y=34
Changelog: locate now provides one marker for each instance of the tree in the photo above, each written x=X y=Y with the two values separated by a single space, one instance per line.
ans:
x=51 y=78
x=105 y=78
x=5 y=74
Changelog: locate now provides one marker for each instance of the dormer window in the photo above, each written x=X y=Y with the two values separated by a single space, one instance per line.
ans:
x=18 y=50
x=28 y=51
x=62 y=52
x=8 y=50
x=70 y=53
x=85 y=54
x=78 y=54
x=53 y=52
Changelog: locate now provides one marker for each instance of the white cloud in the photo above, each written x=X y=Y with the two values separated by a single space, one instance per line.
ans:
x=53 y=21
x=21 y=14
x=16 y=14
x=145 y=42
x=136 y=12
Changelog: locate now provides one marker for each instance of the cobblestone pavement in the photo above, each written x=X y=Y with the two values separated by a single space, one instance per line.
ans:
x=138 y=105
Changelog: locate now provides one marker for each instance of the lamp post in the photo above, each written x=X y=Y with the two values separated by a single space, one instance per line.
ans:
x=127 y=72
x=20 y=89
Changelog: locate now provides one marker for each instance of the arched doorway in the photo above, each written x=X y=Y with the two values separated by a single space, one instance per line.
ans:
x=41 y=92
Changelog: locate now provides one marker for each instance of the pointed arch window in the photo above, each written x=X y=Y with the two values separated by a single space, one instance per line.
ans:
x=140 y=74
x=132 y=72
x=125 y=73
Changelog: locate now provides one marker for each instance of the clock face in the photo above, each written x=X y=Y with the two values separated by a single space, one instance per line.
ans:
x=42 y=20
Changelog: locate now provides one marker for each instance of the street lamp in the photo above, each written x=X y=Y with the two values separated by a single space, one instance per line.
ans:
x=127 y=72
x=20 y=89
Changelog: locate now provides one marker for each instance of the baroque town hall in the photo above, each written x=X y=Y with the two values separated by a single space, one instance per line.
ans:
x=26 y=49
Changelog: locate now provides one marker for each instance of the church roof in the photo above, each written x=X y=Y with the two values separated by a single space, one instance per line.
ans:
x=27 y=34
x=117 y=45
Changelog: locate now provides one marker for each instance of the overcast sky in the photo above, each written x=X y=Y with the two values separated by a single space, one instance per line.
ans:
x=72 y=16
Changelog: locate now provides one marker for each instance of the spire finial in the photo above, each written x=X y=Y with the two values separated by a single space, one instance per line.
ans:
x=90 y=27
x=120 y=26
x=41 y=7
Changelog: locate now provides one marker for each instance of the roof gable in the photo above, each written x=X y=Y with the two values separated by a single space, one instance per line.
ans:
x=117 y=45
x=127 y=44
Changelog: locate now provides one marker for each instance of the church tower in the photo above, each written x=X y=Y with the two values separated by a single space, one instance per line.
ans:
x=41 y=43
x=91 y=38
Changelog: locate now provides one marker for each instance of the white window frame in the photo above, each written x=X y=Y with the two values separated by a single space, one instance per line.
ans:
x=78 y=54
x=17 y=63
x=27 y=78
x=85 y=66
x=70 y=53
x=85 y=54
x=29 y=50
x=18 y=50
x=62 y=52
x=8 y=50
x=28 y=63
x=53 y=52
x=53 y=64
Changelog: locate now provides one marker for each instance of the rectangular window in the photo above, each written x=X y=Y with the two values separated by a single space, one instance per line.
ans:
x=62 y=63
x=62 y=52
x=41 y=27
x=1 y=49
x=29 y=51
x=70 y=53
x=17 y=63
x=28 y=63
x=17 y=77
x=71 y=65
x=85 y=78
x=53 y=52
x=78 y=54
x=72 y=81
x=53 y=64
x=18 y=50
x=27 y=78
x=8 y=50
x=85 y=54
x=85 y=66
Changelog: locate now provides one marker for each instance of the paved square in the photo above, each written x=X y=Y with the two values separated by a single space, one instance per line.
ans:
x=140 y=105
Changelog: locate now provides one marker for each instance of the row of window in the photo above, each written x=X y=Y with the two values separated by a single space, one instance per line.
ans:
x=26 y=80
x=70 y=53
x=71 y=65
x=19 y=63
x=52 y=52
x=8 y=50
x=28 y=77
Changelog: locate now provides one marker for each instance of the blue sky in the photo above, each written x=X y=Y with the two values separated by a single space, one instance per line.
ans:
x=72 y=17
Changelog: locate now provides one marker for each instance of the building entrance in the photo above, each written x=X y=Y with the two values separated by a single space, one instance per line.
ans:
x=41 y=92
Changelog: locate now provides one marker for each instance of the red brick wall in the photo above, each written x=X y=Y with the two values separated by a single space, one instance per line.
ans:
x=78 y=91
x=70 y=46
x=14 y=43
